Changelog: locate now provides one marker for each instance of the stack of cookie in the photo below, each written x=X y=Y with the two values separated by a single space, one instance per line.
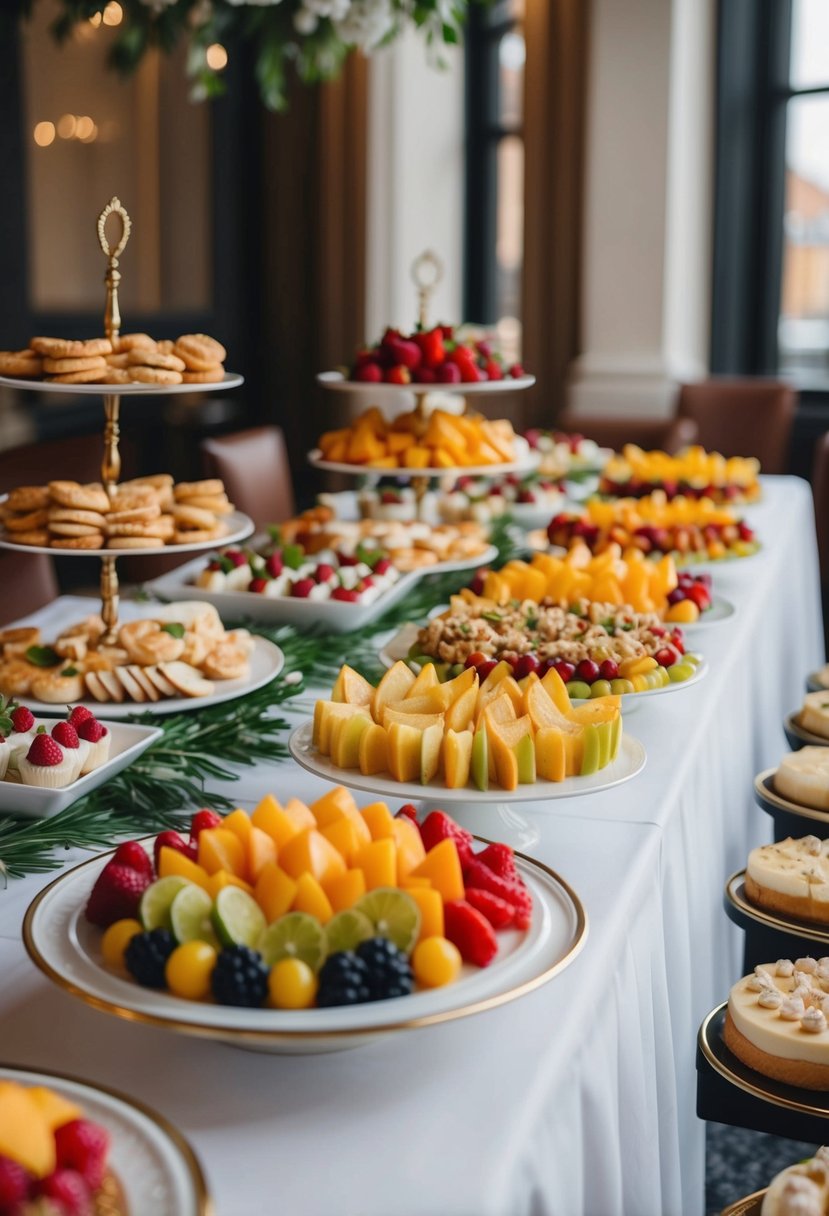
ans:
x=25 y=515
x=128 y=359
x=66 y=362
x=197 y=511
x=76 y=515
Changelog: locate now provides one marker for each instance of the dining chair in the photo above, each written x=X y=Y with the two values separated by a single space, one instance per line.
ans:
x=750 y=417
x=610 y=431
x=254 y=467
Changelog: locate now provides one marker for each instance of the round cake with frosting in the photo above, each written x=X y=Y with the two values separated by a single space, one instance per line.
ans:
x=791 y=877
x=803 y=777
x=814 y=716
x=776 y=1021
x=800 y=1190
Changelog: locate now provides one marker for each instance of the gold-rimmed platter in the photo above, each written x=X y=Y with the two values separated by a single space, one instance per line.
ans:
x=134 y=389
x=66 y=949
x=153 y=1163
x=749 y=1205
x=735 y=895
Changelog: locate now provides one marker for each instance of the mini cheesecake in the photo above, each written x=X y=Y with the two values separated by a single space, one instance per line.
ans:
x=791 y=877
x=800 y=1190
x=814 y=716
x=804 y=777
x=776 y=1021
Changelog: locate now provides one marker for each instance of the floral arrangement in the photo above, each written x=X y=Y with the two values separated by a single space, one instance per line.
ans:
x=311 y=37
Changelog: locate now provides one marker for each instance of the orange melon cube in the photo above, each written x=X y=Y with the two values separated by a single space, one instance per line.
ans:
x=170 y=861
x=410 y=882
x=344 y=890
x=274 y=891
x=346 y=838
x=240 y=824
x=378 y=861
x=333 y=805
x=311 y=853
x=442 y=867
x=261 y=849
x=25 y=1136
x=224 y=878
x=220 y=849
x=410 y=850
x=430 y=903
x=311 y=898
x=378 y=819
x=268 y=817
x=54 y=1108
x=282 y=823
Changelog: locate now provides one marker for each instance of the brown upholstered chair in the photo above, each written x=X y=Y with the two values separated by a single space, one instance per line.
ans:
x=750 y=417
x=254 y=467
x=27 y=582
x=666 y=434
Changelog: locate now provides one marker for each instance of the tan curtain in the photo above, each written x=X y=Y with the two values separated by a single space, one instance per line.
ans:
x=556 y=85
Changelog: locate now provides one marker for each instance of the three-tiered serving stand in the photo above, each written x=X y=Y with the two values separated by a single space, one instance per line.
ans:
x=239 y=526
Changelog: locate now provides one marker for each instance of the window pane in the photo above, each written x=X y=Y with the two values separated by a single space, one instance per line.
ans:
x=90 y=134
x=510 y=226
x=804 y=306
x=810 y=44
x=511 y=56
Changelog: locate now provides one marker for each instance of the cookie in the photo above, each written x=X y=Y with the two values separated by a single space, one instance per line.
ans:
x=134 y=514
x=217 y=503
x=27 y=522
x=116 y=375
x=198 y=489
x=152 y=358
x=15 y=642
x=117 y=360
x=200 y=352
x=155 y=375
x=66 y=515
x=20 y=364
x=95 y=375
x=64 y=529
x=192 y=517
x=144 y=527
x=166 y=346
x=83 y=364
x=195 y=536
x=28 y=498
x=211 y=375
x=38 y=537
x=134 y=542
x=92 y=497
x=93 y=541
x=161 y=482
x=65 y=348
x=16 y=677
x=127 y=342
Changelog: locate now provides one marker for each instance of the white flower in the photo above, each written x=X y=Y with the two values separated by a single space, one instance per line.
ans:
x=305 y=22
x=366 y=23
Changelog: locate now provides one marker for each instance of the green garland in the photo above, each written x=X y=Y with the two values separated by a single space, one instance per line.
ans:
x=162 y=787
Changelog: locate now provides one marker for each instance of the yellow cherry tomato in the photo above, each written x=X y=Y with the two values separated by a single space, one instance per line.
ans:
x=292 y=984
x=189 y=969
x=116 y=939
x=435 y=962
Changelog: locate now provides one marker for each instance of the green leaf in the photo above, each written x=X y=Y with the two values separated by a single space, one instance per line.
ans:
x=174 y=629
x=43 y=656
x=70 y=671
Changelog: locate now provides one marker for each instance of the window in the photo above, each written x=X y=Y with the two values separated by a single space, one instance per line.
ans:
x=495 y=54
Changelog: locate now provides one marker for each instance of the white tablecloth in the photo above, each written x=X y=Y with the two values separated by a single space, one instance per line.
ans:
x=577 y=1100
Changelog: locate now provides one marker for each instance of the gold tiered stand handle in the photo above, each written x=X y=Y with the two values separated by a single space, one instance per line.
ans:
x=427 y=272
x=111 y=463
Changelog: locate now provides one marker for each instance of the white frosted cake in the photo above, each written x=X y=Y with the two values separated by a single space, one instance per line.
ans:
x=804 y=777
x=814 y=716
x=777 y=1021
x=792 y=877
x=800 y=1190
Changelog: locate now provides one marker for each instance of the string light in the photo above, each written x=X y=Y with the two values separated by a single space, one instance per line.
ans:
x=44 y=134
x=216 y=57
x=113 y=13
x=84 y=127
x=67 y=124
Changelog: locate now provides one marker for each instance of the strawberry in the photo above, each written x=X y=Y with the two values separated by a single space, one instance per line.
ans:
x=203 y=819
x=116 y=895
x=383 y=566
x=470 y=374
x=302 y=588
x=448 y=332
x=500 y=859
x=258 y=585
x=172 y=840
x=80 y=714
x=431 y=346
x=438 y=826
x=513 y=891
x=274 y=565
x=368 y=373
x=470 y=931
x=324 y=572
x=91 y=730
x=23 y=719
x=424 y=375
x=493 y=369
x=497 y=911
x=133 y=855
x=347 y=594
x=517 y=371
x=399 y=374
x=65 y=734
x=83 y=1146
x=407 y=812
x=462 y=354
x=15 y=1184
x=69 y=1191
x=449 y=373
x=44 y=751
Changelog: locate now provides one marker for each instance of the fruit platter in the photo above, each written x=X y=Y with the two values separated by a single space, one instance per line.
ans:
x=693 y=530
x=46 y=765
x=691 y=473
x=528 y=499
x=305 y=927
x=567 y=455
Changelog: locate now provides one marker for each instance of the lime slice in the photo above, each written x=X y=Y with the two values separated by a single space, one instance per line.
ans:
x=190 y=916
x=296 y=935
x=154 y=909
x=347 y=929
x=394 y=915
x=237 y=917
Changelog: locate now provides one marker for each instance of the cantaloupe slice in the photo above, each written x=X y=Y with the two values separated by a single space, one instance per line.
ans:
x=25 y=1134
x=442 y=867
x=274 y=891
x=311 y=853
x=344 y=890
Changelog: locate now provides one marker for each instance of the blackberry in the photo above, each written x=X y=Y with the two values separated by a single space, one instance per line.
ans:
x=343 y=980
x=389 y=970
x=240 y=977
x=146 y=957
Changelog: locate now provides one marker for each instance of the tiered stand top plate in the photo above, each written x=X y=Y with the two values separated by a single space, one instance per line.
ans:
x=240 y=527
x=230 y=380
x=527 y=464
x=339 y=383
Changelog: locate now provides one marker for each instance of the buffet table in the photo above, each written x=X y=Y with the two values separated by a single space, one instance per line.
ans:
x=577 y=1099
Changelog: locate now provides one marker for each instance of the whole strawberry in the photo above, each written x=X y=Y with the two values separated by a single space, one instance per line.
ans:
x=172 y=840
x=69 y=1191
x=44 y=751
x=499 y=858
x=15 y=1183
x=22 y=718
x=80 y=714
x=512 y=891
x=134 y=856
x=203 y=819
x=497 y=911
x=470 y=931
x=438 y=826
x=91 y=730
x=116 y=895
x=83 y=1146
x=65 y=734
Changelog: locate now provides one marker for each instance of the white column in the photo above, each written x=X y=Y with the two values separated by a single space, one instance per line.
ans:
x=648 y=205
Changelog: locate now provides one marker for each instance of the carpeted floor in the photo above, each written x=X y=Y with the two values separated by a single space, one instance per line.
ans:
x=739 y=1162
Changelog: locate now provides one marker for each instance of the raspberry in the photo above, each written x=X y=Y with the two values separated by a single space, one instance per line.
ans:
x=201 y=820
x=65 y=734
x=15 y=1181
x=146 y=957
x=132 y=855
x=470 y=931
x=83 y=1146
x=80 y=714
x=438 y=826
x=497 y=911
x=116 y=895
x=69 y=1191
x=173 y=840
x=500 y=859
x=22 y=718
x=240 y=977
x=44 y=751
x=512 y=891
x=91 y=730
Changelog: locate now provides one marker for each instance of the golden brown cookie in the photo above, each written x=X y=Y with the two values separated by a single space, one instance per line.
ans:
x=155 y=375
x=196 y=536
x=150 y=510
x=65 y=348
x=16 y=677
x=14 y=642
x=143 y=527
x=66 y=515
x=116 y=375
x=95 y=541
x=91 y=497
x=94 y=376
x=200 y=352
x=27 y=522
x=157 y=481
x=197 y=489
x=116 y=359
x=211 y=375
x=20 y=364
x=39 y=537
x=153 y=358
x=217 y=503
x=64 y=529
x=166 y=346
x=127 y=342
x=134 y=542
x=192 y=517
x=56 y=688
x=83 y=364
x=28 y=498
